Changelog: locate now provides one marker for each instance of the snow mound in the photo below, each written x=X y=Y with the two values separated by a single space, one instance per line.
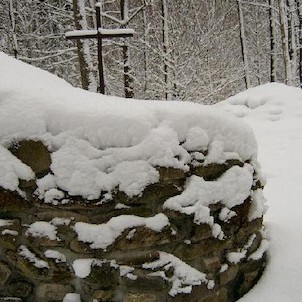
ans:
x=268 y=102
x=100 y=143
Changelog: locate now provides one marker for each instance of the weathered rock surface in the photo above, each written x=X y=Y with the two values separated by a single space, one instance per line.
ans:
x=121 y=275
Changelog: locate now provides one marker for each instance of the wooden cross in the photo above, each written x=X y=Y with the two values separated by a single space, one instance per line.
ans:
x=100 y=34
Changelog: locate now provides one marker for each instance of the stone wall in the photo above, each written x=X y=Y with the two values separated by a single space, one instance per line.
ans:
x=42 y=257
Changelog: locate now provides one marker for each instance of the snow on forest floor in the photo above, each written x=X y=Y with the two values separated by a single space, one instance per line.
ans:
x=274 y=111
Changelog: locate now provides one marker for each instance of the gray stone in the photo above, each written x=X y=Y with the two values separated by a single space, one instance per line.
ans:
x=5 y=272
x=50 y=292
x=20 y=289
x=103 y=295
x=140 y=297
x=229 y=275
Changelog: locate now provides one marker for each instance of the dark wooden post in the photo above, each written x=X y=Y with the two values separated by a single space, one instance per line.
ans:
x=128 y=80
x=100 y=34
x=100 y=49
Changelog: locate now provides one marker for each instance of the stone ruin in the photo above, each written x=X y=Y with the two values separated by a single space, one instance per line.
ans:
x=44 y=259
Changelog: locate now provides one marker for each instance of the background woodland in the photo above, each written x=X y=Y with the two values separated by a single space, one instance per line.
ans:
x=189 y=50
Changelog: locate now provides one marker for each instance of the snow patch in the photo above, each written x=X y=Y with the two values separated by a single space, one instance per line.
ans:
x=184 y=276
x=103 y=235
x=231 y=189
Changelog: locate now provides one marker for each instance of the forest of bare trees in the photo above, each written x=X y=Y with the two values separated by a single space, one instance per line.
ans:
x=191 y=50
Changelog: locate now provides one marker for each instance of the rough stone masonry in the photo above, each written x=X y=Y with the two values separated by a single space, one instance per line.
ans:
x=43 y=259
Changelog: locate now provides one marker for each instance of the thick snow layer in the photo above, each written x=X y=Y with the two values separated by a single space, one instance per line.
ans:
x=102 y=235
x=101 y=143
x=274 y=111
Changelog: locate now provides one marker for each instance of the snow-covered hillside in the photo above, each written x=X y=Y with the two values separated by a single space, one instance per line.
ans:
x=274 y=111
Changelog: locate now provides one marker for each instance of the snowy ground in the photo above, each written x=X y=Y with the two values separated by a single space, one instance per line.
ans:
x=275 y=113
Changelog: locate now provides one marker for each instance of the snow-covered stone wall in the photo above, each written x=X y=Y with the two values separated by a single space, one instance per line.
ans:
x=105 y=199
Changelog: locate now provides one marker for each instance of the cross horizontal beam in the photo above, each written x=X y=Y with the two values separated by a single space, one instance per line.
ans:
x=102 y=32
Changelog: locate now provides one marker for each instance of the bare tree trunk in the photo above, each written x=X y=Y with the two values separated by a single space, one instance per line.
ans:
x=243 y=46
x=128 y=80
x=87 y=77
x=273 y=49
x=285 y=42
x=299 y=11
x=293 y=27
x=145 y=50
x=164 y=7
x=13 y=29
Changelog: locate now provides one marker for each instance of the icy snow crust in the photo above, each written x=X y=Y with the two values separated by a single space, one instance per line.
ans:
x=101 y=143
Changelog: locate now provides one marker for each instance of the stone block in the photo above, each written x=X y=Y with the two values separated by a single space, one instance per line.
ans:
x=249 y=280
x=198 y=294
x=143 y=237
x=170 y=175
x=13 y=202
x=212 y=264
x=26 y=268
x=229 y=275
x=201 y=232
x=220 y=295
x=80 y=247
x=103 y=295
x=105 y=276
x=5 y=272
x=145 y=282
x=140 y=297
x=21 y=289
x=52 y=292
x=202 y=249
x=33 y=154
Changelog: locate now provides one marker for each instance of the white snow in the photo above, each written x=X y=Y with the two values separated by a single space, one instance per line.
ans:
x=116 y=31
x=104 y=136
x=184 y=276
x=12 y=169
x=31 y=257
x=126 y=271
x=81 y=32
x=231 y=189
x=60 y=221
x=102 y=235
x=55 y=255
x=42 y=229
x=274 y=111
x=71 y=297
x=5 y=222
x=82 y=267
x=10 y=232
x=102 y=132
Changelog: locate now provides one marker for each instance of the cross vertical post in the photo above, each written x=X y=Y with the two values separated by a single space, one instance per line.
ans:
x=100 y=49
x=100 y=34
